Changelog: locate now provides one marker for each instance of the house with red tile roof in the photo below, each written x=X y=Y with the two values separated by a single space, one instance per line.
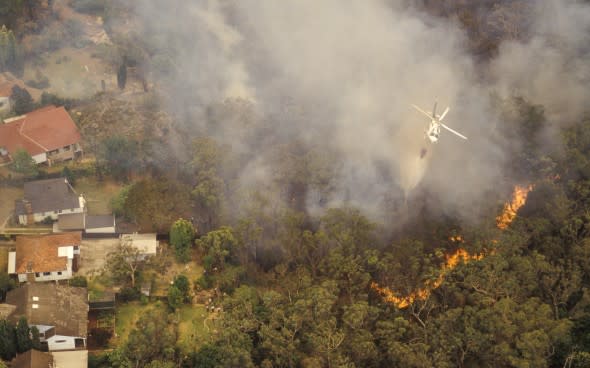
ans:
x=46 y=257
x=48 y=134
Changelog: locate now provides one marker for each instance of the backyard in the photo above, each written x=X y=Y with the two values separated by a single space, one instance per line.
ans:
x=98 y=194
x=7 y=197
x=195 y=324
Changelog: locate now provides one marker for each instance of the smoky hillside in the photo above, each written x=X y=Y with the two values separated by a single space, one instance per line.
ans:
x=311 y=102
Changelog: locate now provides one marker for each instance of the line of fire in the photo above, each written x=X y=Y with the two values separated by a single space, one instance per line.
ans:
x=508 y=215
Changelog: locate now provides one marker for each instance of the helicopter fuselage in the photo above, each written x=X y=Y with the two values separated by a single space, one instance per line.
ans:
x=433 y=131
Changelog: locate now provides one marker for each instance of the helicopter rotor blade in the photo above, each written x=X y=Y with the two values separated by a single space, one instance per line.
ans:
x=422 y=111
x=434 y=111
x=443 y=114
x=453 y=131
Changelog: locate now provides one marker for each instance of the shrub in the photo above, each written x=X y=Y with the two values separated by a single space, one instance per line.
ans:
x=79 y=281
x=69 y=174
x=128 y=294
x=40 y=81
x=53 y=99
x=23 y=163
x=183 y=285
x=203 y=283
x=174 y=297
x=101 y=336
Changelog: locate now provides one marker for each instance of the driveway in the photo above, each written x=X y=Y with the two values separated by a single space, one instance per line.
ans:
x=7 y=197
x=93 y=254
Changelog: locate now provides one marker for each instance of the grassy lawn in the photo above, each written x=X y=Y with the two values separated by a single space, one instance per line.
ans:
x=193 y=330
x=127 y=315
x=192 y=270
x=97 y=285
x=72 y=72
x=98 y=194
x=192 y=327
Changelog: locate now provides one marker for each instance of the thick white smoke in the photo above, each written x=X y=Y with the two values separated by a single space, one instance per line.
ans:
x=350 y=70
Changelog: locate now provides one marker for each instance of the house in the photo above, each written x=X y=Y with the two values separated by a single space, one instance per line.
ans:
x=70 y=359
x=32 y=359
x=48 y=198
x=59 y=312
x=54 y=359
x=146 y=243
x=45 y=257
x=48 y=134
x=94 y=224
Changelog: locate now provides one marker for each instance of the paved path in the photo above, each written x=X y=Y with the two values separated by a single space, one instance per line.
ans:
x=26 y=230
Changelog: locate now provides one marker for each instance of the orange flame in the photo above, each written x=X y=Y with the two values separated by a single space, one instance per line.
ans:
x=518 y=200
x=519 y=197
x=405 y=301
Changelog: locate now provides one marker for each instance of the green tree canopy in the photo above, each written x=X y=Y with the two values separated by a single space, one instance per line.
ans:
x=22 y=100
x=23 y=163
x=8 y=347
x=182 y=234
x=217 y=246
x=10 y=55
x=23 y=336
x=118 y=156
x=153 y=338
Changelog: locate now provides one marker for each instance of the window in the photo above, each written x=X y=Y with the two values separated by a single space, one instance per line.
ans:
x=37 y=274
x=59 y=273
x=46 y=273
x=35 y=298
x=60 y=341
x=66 y=148
x=35 y=306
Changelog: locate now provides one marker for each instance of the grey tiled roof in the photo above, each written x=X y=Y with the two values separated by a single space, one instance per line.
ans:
x=71 y=221
x=62 y=306
x=48 y=195
x=97 y=221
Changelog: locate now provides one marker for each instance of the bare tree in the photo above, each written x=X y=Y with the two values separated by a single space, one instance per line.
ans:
x=124 y=262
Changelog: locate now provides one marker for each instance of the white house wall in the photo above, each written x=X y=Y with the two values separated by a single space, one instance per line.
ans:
x=4 y=105
x=53 y=276
x=40 y=158
x=40 y=216
x=58 y=342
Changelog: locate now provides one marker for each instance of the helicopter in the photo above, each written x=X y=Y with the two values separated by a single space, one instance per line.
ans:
x=433 y=131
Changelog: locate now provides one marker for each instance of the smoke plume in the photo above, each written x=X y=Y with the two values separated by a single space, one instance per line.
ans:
x=340 y=76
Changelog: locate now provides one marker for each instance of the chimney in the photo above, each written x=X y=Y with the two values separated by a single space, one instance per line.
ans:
x=28 y=207
x=29 y=212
